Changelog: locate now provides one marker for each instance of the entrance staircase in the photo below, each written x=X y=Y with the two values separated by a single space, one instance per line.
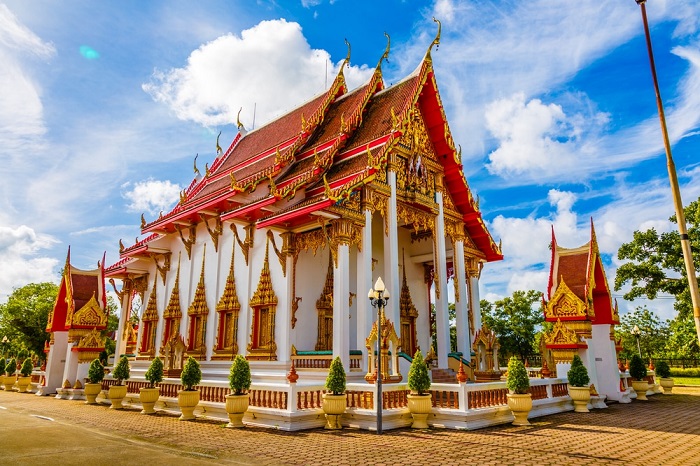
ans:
x=444 y=376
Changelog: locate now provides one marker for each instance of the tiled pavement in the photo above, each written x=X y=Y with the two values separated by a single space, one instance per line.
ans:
x=663 y=431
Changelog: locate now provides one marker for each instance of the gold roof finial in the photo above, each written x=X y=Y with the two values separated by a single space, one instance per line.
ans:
x=143 y=221
x=385 y=55
x=121 y=245
x=238 y=120
x=219 y=150
x=234 y=183
x=196 y=170
x=436 y=41
x=347 y=58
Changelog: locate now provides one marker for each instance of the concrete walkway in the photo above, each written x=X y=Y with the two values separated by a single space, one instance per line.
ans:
x=42 y=430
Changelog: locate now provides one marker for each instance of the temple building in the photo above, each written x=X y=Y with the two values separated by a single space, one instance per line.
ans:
x=271 y=252
x=579 y=304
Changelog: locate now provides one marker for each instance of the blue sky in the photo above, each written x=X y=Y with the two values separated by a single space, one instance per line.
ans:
x=103 y=106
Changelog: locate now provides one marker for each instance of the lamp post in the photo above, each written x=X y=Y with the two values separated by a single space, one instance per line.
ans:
x=673 y=178
x=378 y=297
x=637 y=334
x=5 y=341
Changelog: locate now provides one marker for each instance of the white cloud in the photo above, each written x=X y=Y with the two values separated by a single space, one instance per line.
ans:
x=15 y=35
x=151 y=196
x=18 y=258
x=270 y=67
x=310 y=3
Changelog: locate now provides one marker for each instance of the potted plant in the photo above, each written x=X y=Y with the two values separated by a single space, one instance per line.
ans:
x=419 y=400
x=2 y=371
x=237 y=402
x=10 y=369
x=638 y=372
x=25 y=377
x=579 y=390
x=335 y=400
x=117 y=393
x=149 y=395
x=664 y=373
x=519 y=398
x=93 y=386
x=188 y=399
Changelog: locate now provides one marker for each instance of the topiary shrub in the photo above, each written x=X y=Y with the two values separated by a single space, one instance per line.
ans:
x=517 y=381
x=638 y=370
x=11 y=367
x=122 y=371
x=578 y=374
x=22 y=355
x=27 y=368
x=191 y=374
x=418 y=378
x=154 y=374
x=335 y=382
x=239 y=378
x=662 y=369
x=96 y=371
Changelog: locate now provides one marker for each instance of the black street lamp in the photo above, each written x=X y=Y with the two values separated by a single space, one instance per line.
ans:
x=378 y=297
x=637 y=334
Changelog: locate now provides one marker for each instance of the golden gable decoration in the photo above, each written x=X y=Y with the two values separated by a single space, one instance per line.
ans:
x=565 y=303
x=228 y=309
x=262 y=346
x=90 y=346
x=197 y=313
x=561 y=335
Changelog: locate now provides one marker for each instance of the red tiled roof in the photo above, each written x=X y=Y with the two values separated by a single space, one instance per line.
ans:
x=573 y=269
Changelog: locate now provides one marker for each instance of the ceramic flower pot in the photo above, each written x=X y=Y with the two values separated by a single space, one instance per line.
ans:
x=667 y=384
x=148 y=398
x=91 y=391
x=187 y=400
x=236 y=406
x=9 y=382
x=581 y=396
x=116 y=394
x=334 y=407
x=520 y=405
x=420 y=407
x=23 y=383
x=641 y=387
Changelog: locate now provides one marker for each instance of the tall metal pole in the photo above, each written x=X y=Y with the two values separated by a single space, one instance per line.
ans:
x=677 y=202
x=380 y=398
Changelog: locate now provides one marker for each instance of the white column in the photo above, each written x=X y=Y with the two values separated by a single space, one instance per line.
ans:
x=441 y=314
x=364 y=283
x=123 y=319
x=476 y=309
x=55 y=364
x=391 y=258
x=461 y=301
x=341 y=311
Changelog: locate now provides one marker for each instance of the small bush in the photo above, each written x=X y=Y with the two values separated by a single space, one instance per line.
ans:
x=517 y=381
x=638 y=370
x=662 y=369
x=11 y=367
x=418 y=378
x=335 y=382
x=122 y=371
x=27 y=368
x=154 y=374
x=191 y=374
x=239 y=378
x=96 y=372
x=578 y=374
x=685 y=372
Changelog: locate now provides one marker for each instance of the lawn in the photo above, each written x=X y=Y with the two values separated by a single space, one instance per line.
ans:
x=687 y=380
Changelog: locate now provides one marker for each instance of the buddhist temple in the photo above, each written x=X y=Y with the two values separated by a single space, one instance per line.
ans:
x=579 y=304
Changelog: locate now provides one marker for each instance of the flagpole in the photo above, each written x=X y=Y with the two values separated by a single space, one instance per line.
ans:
x=673 y=178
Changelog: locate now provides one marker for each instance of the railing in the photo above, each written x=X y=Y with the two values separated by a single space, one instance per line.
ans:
x=323 y=359
x=486 y=398
x=445 y=399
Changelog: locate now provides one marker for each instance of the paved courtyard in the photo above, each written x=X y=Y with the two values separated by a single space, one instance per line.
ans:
x=42 y=430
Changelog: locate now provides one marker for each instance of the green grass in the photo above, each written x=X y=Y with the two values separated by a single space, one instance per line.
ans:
x=687 y=380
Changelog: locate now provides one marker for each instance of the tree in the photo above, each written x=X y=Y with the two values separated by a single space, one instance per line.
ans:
x=653 y=334
x=24 y=316
x=515 y=321
x=656 y=264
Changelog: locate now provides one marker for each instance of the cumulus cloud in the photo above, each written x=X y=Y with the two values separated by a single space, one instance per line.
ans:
x=18 y=258
x=150 y=196
x=537 y=139
x=270 y=68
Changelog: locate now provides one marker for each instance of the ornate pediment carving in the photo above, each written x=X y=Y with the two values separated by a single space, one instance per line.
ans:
x=565 y=303
x=90 y=315
x=561 y=335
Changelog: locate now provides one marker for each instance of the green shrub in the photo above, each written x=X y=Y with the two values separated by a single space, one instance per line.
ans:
x=191 y=374
x=11 y=367
x=154 y=374
x=638 y=370
x=662 y=369
x=23 y=354
x=418 y=378
x=578 y=374
x=96 y=371
x=685 y=372
x=517 y=381
x=335 y=382
x=239 y=378
x=2 y=366
x=27 y=368
x=122 y=371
